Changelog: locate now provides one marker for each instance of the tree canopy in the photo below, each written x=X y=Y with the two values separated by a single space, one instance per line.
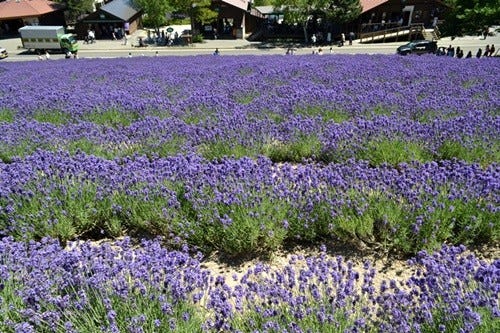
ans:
x=338 y=11
x=471 y=16
x=156 y=10
x=76 y=8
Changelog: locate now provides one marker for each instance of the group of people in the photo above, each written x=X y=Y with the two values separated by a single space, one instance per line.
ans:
x=489 y=51
x=317 y=39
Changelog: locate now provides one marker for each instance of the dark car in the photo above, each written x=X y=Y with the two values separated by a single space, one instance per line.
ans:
x=418 y=47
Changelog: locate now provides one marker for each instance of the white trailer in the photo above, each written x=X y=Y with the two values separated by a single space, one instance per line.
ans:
x=48 y=37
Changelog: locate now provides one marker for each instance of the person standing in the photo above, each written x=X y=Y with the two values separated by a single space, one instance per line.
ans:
x=492 y=50
x=487 y=50
x=479 y=53
x=125 y=39
x=313 y=39
x=351 y=37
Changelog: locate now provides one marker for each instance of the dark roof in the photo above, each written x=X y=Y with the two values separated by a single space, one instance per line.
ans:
x=122 y=9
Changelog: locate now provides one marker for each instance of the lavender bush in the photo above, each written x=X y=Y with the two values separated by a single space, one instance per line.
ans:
x=118 y=287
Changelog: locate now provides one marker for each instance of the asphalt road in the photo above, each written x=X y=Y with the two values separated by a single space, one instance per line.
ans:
x=113 y=49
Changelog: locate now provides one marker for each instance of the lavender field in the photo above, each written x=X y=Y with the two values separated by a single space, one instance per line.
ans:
x=242 y=156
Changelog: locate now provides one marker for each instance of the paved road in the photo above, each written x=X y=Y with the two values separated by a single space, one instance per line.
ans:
x=111 y=49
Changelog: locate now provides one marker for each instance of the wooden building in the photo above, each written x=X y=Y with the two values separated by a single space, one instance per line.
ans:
x=386 y=14
x=121 y=15
x=236 y=19
x=15 y=14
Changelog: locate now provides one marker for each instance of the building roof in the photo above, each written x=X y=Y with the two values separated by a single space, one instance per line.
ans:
x=122 y=9
x=370 y=4
x=266 y=10
x=13 y=9
x=242 y=4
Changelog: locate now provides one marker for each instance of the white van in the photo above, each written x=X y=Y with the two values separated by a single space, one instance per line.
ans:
x=3 y=53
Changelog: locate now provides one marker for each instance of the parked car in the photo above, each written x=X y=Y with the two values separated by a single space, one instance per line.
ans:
x=3 y=53
x=418 y=47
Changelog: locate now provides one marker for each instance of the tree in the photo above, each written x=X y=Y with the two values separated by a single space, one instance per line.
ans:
x=343 y=11
x=77 y=8
x=198 y=10
x=300 y=11
x=155 y=11
x=471 y=16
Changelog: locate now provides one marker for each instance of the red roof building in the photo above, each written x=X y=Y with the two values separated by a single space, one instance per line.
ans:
x=17 y=13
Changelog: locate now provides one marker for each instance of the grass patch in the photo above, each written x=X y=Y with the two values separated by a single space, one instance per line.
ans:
x=326 y=114
x=301 y=148
x=393 y=152
x=112 y=117
x=475 y=154
x=7 y=116
x=217 y=150
x=55 y=117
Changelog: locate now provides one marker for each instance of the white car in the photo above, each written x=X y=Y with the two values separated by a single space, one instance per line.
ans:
x=3 y=53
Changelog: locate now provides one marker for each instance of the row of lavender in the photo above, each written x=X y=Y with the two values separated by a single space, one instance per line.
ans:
x=331 y=109
x=209 y=204
x=123 y=288
x=384 y=139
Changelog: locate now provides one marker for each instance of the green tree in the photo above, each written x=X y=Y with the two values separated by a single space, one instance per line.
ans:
x=155 y=11
x=471 y=16
x=343 y=11
x=77 y=8
x=198 y=10
x=300 y=11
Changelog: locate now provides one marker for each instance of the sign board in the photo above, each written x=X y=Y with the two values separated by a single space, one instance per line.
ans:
x=170 y=29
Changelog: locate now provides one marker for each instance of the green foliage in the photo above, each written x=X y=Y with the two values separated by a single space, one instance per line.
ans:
x=327 y=114
x=478 y=153
x=393 y=152
x=111 y=117
x=198 y=38
x=77 y=8
x=6 y=116
x=52 y=116
x=471 y=16
x=198 y=10
x=219 y=226
x=216 y=150
x=297 y=150
x=155 y=11
x=23 y=148
x=339 y=11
